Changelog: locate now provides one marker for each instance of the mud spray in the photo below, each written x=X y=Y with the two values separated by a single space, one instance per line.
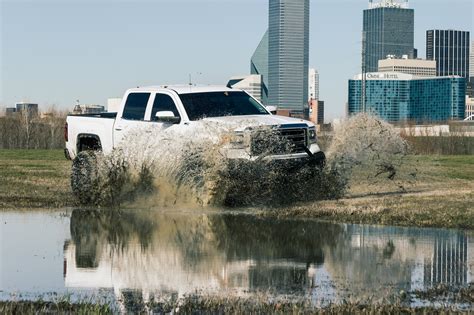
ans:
x=166 y=167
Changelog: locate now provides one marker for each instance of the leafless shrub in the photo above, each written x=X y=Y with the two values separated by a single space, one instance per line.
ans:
x=24 y=131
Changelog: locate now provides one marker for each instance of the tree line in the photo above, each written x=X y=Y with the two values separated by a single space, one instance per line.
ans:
x=23 y=130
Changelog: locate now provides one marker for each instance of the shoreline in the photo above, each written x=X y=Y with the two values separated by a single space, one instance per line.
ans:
x=440 y=196
x=453 y=301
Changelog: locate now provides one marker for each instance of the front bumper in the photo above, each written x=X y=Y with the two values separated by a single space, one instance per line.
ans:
x=313 y=153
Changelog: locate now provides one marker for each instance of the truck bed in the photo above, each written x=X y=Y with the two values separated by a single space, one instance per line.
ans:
x=90 y=125
x=98 y=115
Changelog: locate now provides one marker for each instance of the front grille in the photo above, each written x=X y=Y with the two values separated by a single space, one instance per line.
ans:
x=279 y=141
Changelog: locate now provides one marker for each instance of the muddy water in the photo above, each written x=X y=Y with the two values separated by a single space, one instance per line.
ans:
x=139 y=255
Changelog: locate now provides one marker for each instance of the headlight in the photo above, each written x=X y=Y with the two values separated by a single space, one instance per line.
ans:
x=311 y=135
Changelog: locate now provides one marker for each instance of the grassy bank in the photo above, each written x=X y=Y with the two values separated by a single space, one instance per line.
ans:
x=435 y=191
x=221 y=305
x=42 y=307
x=34 y=179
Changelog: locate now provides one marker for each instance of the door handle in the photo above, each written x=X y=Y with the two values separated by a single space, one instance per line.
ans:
x=118 y=128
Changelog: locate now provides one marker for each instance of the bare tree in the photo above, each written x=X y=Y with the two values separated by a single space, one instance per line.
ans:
x=25 y=130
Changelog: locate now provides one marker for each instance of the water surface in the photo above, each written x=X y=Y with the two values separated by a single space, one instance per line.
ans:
x=144 y=254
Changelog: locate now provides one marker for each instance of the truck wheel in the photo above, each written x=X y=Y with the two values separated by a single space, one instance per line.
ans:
x=319 y=159
x=84 y=177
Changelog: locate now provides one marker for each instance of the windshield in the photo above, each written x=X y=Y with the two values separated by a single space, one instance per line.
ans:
x=218 y=104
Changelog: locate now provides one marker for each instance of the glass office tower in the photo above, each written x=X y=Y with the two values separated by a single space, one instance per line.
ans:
x=399 y=97
x=388 y=29
x=471 y=62
x=450 y=49
x=288 y=59
x=282 y=56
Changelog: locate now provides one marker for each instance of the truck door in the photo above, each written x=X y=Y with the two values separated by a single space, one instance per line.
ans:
x=163 y=102
x=132 y=117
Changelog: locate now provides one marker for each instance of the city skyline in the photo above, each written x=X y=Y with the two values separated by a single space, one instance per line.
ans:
x=68 y=58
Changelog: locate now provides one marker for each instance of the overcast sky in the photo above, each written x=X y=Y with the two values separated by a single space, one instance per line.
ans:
x=55 y=52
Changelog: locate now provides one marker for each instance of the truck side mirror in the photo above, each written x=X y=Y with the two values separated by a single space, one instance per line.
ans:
x=271 y=109
x=167 y=117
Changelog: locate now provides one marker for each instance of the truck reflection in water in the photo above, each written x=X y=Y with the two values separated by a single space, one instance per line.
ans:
x=145 y=254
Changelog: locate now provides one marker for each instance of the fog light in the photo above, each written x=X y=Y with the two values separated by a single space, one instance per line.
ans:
x=312 y=135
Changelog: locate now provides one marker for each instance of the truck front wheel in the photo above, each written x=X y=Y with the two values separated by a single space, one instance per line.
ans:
x=84 y=177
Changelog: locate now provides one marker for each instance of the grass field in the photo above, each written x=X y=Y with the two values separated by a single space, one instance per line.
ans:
x=257 y=304
x=34 y=179
x=433 y=191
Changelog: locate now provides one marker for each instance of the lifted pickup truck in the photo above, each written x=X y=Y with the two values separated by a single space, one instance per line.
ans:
x=180 y=107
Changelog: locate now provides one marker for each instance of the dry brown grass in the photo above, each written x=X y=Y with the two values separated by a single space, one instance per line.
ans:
x=434 y=191
x=34 y=179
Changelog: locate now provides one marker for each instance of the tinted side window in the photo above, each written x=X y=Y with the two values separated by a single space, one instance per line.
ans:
x=135 y=106
x=163 y=102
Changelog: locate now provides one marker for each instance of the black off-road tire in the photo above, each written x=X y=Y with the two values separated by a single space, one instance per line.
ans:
x=84 y=177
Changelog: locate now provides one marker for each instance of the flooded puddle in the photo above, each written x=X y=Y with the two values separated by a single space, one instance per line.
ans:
x=134 y=256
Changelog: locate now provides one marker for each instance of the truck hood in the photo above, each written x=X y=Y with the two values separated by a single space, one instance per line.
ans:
x=242 y=122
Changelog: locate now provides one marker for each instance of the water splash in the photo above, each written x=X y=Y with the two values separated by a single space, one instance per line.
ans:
x=189 y=166
x=367 y=142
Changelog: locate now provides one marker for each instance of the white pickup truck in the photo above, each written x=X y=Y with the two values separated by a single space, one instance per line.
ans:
x=182 y=106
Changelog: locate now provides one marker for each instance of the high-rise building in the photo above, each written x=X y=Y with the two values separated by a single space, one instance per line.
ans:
x=450 y=49
x=288 y=57
x=471 y=62
x=283 y=54
x=313 y=84
x=316 y=111
x=259 y=65
x=418 y=67
x=400 y=97
x=252 y=84
x=388 y=29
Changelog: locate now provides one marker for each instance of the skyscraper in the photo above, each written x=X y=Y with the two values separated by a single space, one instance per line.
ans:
x=282 y=56
x=471 y=62
x=313 y=84
x=288 y=48
x=470 y=83
x=450 y=49
x=388 y=29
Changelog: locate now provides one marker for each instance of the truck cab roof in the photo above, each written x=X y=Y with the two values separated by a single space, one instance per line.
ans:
x=184 y=88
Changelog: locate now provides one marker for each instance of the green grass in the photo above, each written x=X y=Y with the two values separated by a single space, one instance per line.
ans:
x=34 y=179
x=32 y=155
x=450 y=167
